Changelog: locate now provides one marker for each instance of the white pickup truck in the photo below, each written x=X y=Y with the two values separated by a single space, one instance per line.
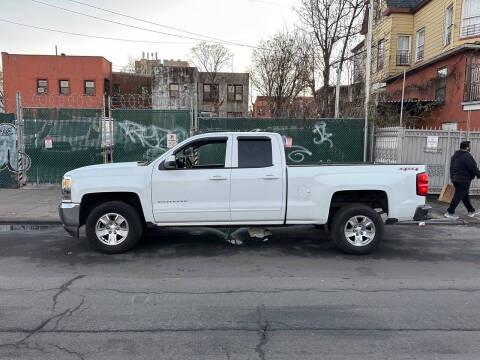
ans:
x=242 y=180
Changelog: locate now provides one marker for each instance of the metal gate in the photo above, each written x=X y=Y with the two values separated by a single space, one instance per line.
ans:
x=410 y=146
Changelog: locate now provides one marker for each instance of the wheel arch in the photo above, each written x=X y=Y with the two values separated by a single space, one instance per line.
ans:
x=92 y=200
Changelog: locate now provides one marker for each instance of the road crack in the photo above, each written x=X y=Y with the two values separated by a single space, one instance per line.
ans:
x=263 y=327
x=63 y=288
x=69 y=351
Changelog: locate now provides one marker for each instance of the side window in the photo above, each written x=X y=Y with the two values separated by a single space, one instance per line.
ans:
x=202 y=155
x=254 y=153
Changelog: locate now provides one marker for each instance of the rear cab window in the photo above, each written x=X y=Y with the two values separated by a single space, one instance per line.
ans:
x=254 y=152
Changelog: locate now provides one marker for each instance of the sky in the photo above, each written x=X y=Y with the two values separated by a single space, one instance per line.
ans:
x=242 y=21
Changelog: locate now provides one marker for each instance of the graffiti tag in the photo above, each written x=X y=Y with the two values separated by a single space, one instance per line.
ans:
x=321 y=130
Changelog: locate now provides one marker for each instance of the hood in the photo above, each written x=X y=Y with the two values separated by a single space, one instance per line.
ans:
x=103 y=169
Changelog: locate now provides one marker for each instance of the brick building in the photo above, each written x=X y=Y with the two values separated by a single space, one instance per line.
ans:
x=436 y=42
x=55 y=81
x=131 y=90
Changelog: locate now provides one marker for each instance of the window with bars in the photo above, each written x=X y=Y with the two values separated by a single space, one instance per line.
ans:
x=403 y=49
x=144 y=92
x=470 y=18
x=64 y=87
x=420 y=49
x=116 y=89
x=210 y=92
x=441 y=85
x=174 y=90
x=89 y=87
x=42 y=86
x=380 y=54
x=235 y=92
x=448 y=25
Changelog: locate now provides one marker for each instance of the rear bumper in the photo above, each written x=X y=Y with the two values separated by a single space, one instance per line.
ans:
x=70 y=217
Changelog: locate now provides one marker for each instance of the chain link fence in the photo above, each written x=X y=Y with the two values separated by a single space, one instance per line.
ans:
x=141 y=135
x=59 y=140
x=308 y=141
x=47 y=141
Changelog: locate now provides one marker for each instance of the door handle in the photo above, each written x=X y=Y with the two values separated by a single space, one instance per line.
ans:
x=218 y=177
x=271 y=177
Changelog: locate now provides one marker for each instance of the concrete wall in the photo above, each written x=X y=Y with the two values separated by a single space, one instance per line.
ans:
x=21 y=72
x=190 y=97
x=185 y=77
x=224 y=107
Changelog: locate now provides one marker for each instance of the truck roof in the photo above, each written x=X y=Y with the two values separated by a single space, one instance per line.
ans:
x=244 y=133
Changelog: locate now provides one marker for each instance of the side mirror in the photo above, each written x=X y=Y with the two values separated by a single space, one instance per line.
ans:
x=170 y=163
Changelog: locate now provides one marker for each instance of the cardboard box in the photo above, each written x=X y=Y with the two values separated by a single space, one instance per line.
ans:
x=447 y=193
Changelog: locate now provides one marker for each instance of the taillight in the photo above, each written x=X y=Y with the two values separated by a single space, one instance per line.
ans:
x=422 y=184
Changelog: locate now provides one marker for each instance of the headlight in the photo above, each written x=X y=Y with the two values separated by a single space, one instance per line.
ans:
x=67 y=188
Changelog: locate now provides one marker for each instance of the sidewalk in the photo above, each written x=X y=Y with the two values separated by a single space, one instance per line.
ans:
x=39 y=204
x=31 y=204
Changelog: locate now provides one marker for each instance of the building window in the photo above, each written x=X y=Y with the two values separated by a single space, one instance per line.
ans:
x=448 y=25
x=42 y=86
x=235 y=92
x=380 y=55
x=89 y=87
x=174 y=90
x=64 y=87
x=470 y=18
x=441 y=86
x=420 y=45
x=116 y=89
x=378 y=14
x=210 y=92
x=144 y=92
x=403 y=49
x=358 y=63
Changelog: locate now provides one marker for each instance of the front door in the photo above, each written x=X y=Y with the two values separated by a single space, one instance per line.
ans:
x=198 y=189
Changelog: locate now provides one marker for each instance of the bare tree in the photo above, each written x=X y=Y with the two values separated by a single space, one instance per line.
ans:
x=130 y=66
x=279 y=71
x=211 y=59
x=351 y=30
x=331 y=25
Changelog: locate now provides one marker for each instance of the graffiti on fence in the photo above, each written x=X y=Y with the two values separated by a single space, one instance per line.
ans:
x=10 y=157
x=297 y=153
x=152 y=137
x=321 y=130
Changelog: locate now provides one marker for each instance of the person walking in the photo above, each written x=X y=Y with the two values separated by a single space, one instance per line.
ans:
x=463 y=169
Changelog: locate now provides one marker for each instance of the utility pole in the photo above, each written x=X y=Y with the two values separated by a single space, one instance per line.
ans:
x=403 y=98
x=368 y=69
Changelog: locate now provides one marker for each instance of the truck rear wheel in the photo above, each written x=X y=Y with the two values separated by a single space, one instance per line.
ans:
x=114 y=227
x=357 y=229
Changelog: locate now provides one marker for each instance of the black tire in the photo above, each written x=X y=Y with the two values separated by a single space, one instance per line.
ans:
x=339 y=225
x=133 y=220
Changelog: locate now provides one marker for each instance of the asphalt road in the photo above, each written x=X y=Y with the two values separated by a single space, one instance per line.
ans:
x=191 y=295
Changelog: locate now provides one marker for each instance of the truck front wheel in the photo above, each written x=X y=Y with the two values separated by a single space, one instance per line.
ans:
x=114 y=227
x=357 y=229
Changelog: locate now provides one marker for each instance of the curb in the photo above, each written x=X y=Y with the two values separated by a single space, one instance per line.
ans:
x=29 y=220
x=434 y=222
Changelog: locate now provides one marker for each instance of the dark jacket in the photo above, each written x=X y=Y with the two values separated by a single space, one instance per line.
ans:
x=463 y=167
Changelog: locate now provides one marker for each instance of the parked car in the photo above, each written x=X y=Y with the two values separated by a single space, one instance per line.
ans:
x=239 y=179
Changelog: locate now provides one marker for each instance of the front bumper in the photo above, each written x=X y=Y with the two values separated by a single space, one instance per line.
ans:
x=70 y=216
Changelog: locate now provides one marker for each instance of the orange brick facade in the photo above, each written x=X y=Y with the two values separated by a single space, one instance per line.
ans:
x=422 y=85
x=22 y=72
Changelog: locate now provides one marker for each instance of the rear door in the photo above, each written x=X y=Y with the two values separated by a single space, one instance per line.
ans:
x=257 y=180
